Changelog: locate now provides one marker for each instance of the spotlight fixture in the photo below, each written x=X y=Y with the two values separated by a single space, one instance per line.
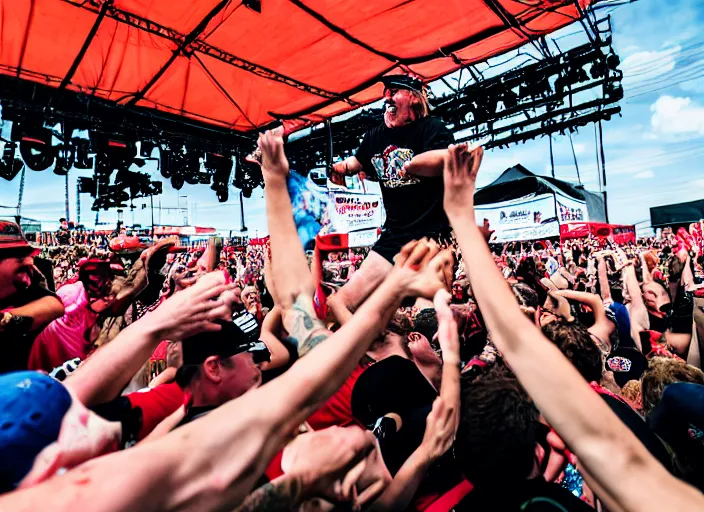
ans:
x=82 y=159
x=64 y=160
x=10 y=165
x=221 y=167
x=87 y=186
x=35 y=144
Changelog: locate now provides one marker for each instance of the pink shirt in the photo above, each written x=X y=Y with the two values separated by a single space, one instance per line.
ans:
x=66 y=337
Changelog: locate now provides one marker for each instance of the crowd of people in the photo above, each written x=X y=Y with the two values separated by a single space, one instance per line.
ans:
x=449 y=375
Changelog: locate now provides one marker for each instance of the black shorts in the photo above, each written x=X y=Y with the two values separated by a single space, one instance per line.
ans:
x=391 y=240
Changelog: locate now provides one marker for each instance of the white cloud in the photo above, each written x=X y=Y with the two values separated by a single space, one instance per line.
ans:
x=645 y=66
x=578 y=149
x=677 y=116
x=645 y=175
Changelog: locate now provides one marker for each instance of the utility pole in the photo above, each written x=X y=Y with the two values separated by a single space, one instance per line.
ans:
x=151 y=201
x=78 y=205
x=20 y=196
x=243 y=227
x=68 y=211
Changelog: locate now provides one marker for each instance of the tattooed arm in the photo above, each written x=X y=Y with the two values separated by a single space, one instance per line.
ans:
x=304 y=328
x=283 y=493
x=289 y=267
x=288 y=261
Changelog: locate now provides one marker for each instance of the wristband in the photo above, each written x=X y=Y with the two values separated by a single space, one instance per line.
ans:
x=14 y=324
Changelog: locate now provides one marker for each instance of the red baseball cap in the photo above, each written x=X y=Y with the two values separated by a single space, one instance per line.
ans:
x=11 y=237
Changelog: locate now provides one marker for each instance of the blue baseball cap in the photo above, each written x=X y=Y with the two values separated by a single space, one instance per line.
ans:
x=32 y=407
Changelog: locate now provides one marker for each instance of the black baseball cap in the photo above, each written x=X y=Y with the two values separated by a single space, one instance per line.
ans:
x=233 y=338
x=394 y=384
x=402 y=82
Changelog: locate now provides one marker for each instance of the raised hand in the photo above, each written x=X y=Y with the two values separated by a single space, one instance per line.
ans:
x=448 y=336
x=422 y=268
x=274 y=162
x=194 y=309
x=440 y=429
x=443 y=420
x=460 y=176
x=327 y=461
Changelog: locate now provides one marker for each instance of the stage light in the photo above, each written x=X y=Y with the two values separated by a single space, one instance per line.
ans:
x=64 y=160
x=146 y=148
x=192 y=169
x=10 y=165
x=82 y=159
x=248 y=176
x=613 y=61
x=598 y=69
x=221 y=168
x=35 y=144
x=87 y=186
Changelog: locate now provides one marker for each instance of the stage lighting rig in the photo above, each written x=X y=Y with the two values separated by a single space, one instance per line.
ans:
x=181 y=165
x=87 y=186
x=10 y=165
x=110 y=197
x=221 y=168
x=248 y=176
x=35 y=144
x=82 y=158
x=64 y=159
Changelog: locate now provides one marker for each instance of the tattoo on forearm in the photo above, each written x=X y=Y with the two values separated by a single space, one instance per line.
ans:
x=304 y=328
x=284 y=493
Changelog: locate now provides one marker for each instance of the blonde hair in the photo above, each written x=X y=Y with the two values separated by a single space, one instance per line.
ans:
x=661 y=372
x=419 y=103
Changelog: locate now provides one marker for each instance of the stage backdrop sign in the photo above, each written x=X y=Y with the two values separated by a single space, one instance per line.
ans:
x=526 y=218
x=571 y=210
x=352 y=212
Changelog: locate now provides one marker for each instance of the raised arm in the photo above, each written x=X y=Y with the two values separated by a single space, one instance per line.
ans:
x=269 y=335
x=103 y=375
x=602 y=327
x=604 y=286
x=647 y=276
x=294 y=283
x=288 y=261
x=347 y=167
x=41 y=312
x=442 y=422
x=212 y=463
x=603 y=444
x=427 y=164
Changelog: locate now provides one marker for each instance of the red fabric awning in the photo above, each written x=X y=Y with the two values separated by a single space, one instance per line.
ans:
x=220 y=62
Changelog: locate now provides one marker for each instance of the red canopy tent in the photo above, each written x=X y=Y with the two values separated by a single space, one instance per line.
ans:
x=620 y=234
x=220 y=62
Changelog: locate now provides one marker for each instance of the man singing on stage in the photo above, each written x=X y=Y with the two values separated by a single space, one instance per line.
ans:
x=405 y=154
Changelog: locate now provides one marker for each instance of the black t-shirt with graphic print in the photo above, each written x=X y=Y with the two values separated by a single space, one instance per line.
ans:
x=410 y=201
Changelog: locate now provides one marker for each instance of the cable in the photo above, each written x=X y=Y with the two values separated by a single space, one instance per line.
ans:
x=661 y=88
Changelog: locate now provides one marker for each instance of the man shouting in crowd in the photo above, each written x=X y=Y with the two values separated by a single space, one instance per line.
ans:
x=25 y=307
x=405 y=154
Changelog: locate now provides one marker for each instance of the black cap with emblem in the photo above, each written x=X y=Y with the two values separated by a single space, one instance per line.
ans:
x=240 y=335
x=402 y=82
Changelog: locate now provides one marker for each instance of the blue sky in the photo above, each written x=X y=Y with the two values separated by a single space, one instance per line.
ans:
x=653 y=152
